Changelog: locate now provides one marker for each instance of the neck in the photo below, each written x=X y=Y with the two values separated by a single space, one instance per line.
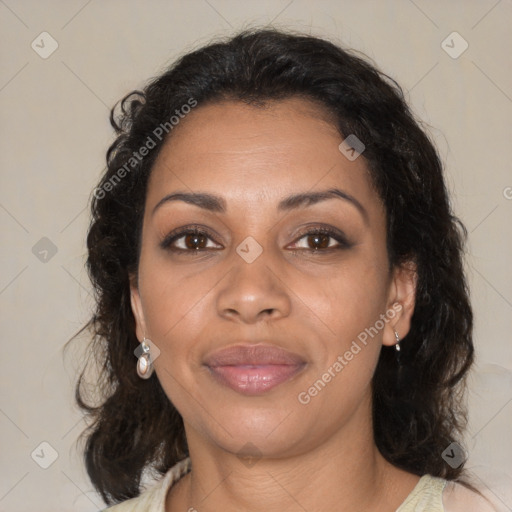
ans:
x=345 y=473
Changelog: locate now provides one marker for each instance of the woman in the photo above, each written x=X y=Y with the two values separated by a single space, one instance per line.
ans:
x=282 y=317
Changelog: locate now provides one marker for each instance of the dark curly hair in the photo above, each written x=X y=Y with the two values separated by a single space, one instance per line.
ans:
x=418 y=407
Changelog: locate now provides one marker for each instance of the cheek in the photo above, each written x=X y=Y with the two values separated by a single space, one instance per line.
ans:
x=176 y=310
x=349 y=304
x=347 y=300
x=172 y=292
x=347 y=308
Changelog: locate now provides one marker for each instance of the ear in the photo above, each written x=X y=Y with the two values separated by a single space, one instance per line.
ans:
x=401 y=300
x=136 y=304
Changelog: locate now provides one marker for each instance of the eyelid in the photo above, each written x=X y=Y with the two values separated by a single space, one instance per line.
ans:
x=332 y=232
x=178 y=233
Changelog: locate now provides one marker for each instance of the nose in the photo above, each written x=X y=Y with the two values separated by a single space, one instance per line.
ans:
x=255 y=291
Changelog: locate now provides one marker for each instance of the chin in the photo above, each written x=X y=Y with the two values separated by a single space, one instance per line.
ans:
x=250 y=432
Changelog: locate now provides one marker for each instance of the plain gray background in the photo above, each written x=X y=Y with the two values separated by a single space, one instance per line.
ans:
x=54 y=134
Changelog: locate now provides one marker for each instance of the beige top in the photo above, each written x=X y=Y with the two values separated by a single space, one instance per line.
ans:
x=431 y=494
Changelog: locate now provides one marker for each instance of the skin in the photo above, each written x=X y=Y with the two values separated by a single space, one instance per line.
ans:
x=316 y=456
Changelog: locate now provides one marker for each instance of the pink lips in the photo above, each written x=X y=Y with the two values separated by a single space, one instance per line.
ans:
x=253 y=369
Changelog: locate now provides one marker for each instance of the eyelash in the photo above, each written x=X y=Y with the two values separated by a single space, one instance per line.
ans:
x=195 y=230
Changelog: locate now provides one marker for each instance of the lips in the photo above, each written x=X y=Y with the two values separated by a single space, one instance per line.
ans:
x=253 y=355
x=253 y=369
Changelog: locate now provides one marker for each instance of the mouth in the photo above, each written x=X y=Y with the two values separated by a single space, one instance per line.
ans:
x=254 y=379
x=253 y=369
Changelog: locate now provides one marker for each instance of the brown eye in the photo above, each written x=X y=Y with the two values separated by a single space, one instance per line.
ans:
x=195 y=241
x=323 y=240
x=319 y=241
x=189 y=240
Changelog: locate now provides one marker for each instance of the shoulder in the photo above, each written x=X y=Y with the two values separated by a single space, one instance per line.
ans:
x=426 y=496
x=435 y=494
x=153 y=498
x=458 y=498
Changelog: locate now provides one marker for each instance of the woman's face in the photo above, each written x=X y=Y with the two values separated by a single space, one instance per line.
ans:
x=255 y=279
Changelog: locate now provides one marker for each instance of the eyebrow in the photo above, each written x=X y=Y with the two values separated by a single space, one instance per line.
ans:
x=217 y=204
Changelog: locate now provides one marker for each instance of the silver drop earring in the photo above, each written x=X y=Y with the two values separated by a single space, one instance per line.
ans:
x=397 y=350
x=144 y=365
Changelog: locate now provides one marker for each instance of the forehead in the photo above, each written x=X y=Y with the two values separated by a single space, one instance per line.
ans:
x=248 y=153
